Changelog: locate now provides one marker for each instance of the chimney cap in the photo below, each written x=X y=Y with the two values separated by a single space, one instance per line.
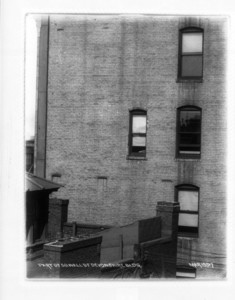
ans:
x=168 y=206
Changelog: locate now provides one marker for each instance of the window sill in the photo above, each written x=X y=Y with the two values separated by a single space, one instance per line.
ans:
x=189 y=80
x=187 y=159
x=187 y=236
x=129 y=157
x=180 y=156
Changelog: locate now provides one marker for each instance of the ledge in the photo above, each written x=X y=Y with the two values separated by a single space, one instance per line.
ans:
x=182 y=236
x=36 y=246
x=159 y=241
x=181 y=80
x=187 y=159
x=168 y=206
x=136 y=158
x=65 y=246
x=57 y=201
x=85 y=225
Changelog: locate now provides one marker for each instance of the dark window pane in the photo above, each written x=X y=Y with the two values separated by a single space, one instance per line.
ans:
x=188 y=230
x=191 y=66
x=140 y=150
x=189 y=139
x=190 y=121
x=189 y=143
x=189 y=150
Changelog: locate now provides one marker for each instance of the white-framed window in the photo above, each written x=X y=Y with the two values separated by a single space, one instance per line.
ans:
x=190 y=53
x=188 y=197
x=137 y=133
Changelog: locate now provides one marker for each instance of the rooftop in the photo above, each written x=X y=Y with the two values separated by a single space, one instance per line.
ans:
x=35 y=183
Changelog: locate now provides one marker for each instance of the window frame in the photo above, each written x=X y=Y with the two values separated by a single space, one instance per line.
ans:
x=185 y=272
x=188 y=231
x=132 y=113
x=181 y=55
x=178 y=133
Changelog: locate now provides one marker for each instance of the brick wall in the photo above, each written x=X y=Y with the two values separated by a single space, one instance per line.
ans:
x=58 y=213
x=99 y=68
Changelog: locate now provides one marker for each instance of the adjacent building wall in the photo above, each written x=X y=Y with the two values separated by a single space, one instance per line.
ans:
x=42 y=82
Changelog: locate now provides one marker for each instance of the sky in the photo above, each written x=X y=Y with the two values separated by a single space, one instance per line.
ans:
x=30 y=76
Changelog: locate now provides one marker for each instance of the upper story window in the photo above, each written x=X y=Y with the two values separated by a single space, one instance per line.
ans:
x=188 y=144
x=191 y=53
x=137 y=134
x=188 y=198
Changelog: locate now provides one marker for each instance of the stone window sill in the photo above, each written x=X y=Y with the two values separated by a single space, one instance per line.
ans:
x=187 y=159
x=129 y=157
x=187 y=236
x=181 y=80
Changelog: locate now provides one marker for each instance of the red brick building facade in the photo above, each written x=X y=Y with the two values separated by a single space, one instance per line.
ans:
x=131 y=111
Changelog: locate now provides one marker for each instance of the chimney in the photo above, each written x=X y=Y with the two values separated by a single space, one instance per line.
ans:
x=169 y=213
x=58 y=210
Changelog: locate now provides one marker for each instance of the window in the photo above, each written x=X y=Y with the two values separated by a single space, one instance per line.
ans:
x=185 y=272
x=190 y=53
x=188 y=142
x=188 y=198
x=137 y=134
